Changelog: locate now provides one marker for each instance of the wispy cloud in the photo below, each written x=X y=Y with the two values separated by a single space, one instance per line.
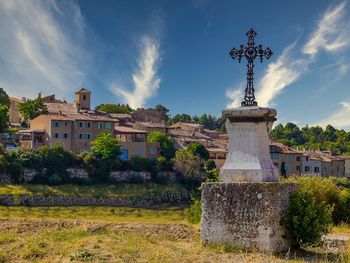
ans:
x=235 y=95
x=41 y=47
x=339 y=118
x=330 y=35
x=145 y=78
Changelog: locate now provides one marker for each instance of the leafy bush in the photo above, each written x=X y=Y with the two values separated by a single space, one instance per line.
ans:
x=15 y=170
x=210 y=165
x=136 y=179
x=162 y=179
x=140 y=164
x=305 y=219
x=164 y=164
x=198 y=149
x=166 y=143
x=195 y=212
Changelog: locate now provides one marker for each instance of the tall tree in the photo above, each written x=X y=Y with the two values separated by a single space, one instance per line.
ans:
x=166 y=143
x=4 y=117
x=4 y=98
x=114 y=108
x=160 y=107
x=32 y=108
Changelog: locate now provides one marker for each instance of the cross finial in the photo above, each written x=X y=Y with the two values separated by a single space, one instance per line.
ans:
x=250 y=52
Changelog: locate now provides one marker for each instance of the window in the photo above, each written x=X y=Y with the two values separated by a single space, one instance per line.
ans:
x=274 y=155
x=89 y=124
x=80 y=124
x=56 y=135
x=298 y=168
x=100 y=125
x=153 y=150
x=307 y=158
x=307 y=169
x=124 y=154
x=88 y=136
x=108 y=125
x=316 y=170
x=80 y=136
x=66 y=124
x=65 y=135
x=298 y=158
x=56 y=124
x=84 y=97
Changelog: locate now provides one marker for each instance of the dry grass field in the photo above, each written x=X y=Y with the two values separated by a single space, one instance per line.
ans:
x=104 y=234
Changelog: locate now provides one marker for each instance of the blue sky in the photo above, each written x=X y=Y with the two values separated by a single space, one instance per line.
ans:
x=176 y=53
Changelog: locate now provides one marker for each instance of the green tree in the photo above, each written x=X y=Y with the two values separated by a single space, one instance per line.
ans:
x=198 y=149
x=105 y=157
x=160 y=107
x=4 y=98
x=166 y=143
x=179 y=118
x=188 y=164
x=114 y=108
x=105 y=147
x=4 y=118
x=32 y=108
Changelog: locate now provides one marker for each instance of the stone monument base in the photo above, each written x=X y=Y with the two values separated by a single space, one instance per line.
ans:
x=245 y=214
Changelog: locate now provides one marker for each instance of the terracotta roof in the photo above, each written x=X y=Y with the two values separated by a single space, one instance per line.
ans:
x=77 y=117
x=211 y=131
x=16 y=99
x=151 y=124
x=190 y=124
x=83 y=90
x=215 y=149
x=120 y=115
x=64 y=108
x=181 y=133
x=123 y=129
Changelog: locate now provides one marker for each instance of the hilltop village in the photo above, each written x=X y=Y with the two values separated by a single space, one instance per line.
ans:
x=75 y=124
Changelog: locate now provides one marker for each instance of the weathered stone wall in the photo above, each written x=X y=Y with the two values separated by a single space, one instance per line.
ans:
x=149 y=200
x=117 y=176
x=246 y=214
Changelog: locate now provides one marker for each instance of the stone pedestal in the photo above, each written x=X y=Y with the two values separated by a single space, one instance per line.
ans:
x=248 y=158
x=246 y=214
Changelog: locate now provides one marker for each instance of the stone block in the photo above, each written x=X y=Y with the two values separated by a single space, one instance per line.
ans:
x=245 y=214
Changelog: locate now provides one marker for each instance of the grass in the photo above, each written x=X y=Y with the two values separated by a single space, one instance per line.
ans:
x=108 y=214
x=89 y=190
x=104 y=234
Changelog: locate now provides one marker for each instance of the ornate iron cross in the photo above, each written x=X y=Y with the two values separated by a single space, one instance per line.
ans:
x=250 y=52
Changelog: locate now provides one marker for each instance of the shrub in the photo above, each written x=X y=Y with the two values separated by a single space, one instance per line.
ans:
x=164 y=164
x=306 y=220
x=136 y=179
x=140 y=164
x=15 y=170
x=195 y=212
x=162 y=179
x=198 y=149
x=166 y=143
x=210 y=165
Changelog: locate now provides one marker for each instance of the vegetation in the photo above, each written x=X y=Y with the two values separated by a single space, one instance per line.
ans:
x=313 y=137
x=166 y=143
x=4 y=98
x=334 y=192
x=4 y=118
x=99 y=190
x=161 y=108
x=32 y=108
x=114 y=108
x=306 y=220
x=198 y=149
x=207 y=120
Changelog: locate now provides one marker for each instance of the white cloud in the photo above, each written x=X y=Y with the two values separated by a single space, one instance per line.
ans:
x=41 y=47
x=339 y=118
x=145 y=79
x=279 y=75
x=236 y=96
x=330 y=35
x=331 y=32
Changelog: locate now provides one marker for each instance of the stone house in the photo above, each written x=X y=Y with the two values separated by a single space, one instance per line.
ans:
x=133 y=143
x=287 y=160
x=149 y=115
x=311 y=164
x=188 y=126
x=150 y=126
x=331 y=165
x=346 y=165
x=15 y=117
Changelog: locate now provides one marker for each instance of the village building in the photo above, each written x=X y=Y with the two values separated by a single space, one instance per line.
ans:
x=149 y=115
x=311 y=164
x=133 y=143
x=15 y=117
x=150 y=126
x=346 y=165
x=287 y=160
x=331 y=165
